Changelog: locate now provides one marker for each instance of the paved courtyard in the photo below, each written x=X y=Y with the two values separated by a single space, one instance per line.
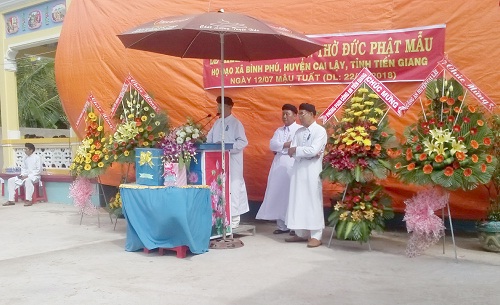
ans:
x=47 y=257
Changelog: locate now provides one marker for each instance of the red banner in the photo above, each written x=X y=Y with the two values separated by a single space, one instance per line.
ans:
x=343 y=97
x=445 y=64
x=91 y=99
x=413 y=98
x=366 y=77
x=84 y=111
x=468 y=85
x=131 y=82
x=392 y=56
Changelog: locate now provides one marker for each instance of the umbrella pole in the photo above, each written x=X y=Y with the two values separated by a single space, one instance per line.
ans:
x=224 y=203
x=233 y=242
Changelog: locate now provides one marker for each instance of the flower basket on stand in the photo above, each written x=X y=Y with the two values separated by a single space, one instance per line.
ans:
x=449 y=145
x=357 y=155
x=179 y=149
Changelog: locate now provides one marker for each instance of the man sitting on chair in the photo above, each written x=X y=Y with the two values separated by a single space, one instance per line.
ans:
x=31 y=168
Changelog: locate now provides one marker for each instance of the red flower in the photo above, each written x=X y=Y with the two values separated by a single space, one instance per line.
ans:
x=457 y=110
x=451 y=118
x=151 y=137
x=489 y=159
x=483 y=168
x=448 y=171
x=466 y=120
x=428 y=169
x=439 y=158
x=440 y=124
x=461 y=139
x=409 y=154
x=473 y=131
x=456 y=128
x=474 y=144
x=480 y=122
x=411 y=166
x=95 y=158
x=418 y=147
x=427 y=102
x=378 y=147
x=472 y=109
x=422 y=157
x=474 y=158
x=384 y=134
x=456 y=165
x=149 y=128
x=487 y=141
x=460 y=156
x=467 y=172
x=450 y=101
x=443 y=99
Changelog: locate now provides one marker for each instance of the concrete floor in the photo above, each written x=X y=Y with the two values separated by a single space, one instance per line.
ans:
x=47 y=257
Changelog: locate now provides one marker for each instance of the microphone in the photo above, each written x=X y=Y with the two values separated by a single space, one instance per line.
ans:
x=205 y=117
x=210 y=120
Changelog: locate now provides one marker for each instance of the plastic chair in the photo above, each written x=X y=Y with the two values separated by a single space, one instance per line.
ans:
x=39 y=193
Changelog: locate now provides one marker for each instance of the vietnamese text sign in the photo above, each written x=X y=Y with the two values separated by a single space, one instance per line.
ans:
x=392 y=56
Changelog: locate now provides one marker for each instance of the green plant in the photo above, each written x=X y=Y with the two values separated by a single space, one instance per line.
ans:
x=39 y=103
x=493 y=212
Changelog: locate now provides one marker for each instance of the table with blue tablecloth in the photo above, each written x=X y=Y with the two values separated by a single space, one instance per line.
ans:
x=167 y=217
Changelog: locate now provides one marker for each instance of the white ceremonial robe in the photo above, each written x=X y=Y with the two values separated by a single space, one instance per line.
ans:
x=275 y=201
x=233 y=133
x=32 y=168
x=305 y=206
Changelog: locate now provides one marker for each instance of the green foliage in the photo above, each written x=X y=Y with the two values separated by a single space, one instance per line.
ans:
x=39 y=103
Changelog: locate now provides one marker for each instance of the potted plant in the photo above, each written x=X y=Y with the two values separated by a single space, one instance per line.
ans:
x=489 y=228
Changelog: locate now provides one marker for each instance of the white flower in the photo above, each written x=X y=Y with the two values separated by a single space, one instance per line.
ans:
x=189 y=129
x=183 y=134
x=188 y=139
x=196 y=135
x=179 y=140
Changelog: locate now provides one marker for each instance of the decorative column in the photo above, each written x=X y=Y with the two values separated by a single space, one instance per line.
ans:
x=9 y=105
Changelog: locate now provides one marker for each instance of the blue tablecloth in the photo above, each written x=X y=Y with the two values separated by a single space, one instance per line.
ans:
x=167 y=217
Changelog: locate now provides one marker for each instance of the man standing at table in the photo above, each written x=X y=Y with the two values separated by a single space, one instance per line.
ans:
x=234 y=133
x=275 y=201
x=305 y=208
x=31 y=169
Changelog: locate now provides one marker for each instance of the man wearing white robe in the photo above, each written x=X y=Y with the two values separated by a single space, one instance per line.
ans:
x=234 y=133
x=305 y=207
x=275 y=201
x=31 y=169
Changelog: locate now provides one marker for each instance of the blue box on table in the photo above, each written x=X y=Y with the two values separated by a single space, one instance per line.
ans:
x=148 y=166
